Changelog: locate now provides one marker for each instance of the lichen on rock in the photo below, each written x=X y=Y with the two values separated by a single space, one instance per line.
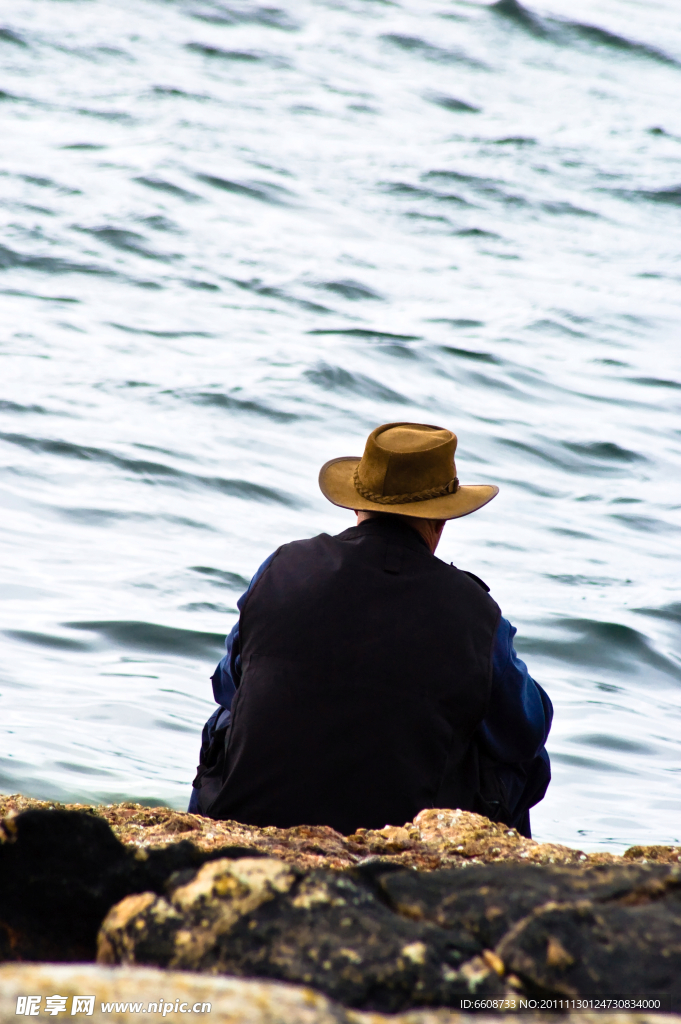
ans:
x=330 y=930
x=436 y=838
x=183 y=931
x=382 y=920
x=386 y=938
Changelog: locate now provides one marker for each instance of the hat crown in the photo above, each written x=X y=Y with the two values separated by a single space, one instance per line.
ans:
x=412 y=437
x=409 y=461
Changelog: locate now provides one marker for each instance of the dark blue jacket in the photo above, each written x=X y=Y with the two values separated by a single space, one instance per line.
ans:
x=512 y=735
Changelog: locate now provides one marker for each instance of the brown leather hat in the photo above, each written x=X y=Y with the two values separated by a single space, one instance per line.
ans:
x=407 y=468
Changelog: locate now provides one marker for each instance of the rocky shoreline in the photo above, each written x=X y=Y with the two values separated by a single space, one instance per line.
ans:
x=435 y=839
x=382 y=921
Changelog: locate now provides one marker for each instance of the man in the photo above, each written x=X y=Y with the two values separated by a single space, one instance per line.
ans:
x=366 y=679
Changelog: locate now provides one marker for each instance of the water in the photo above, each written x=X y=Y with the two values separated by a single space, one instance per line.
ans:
x=236 y=238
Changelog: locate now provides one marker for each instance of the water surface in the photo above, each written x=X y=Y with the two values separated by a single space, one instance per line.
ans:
x=236 y=238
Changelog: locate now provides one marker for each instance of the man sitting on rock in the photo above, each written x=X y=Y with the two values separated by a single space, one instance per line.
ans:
x=366 y=679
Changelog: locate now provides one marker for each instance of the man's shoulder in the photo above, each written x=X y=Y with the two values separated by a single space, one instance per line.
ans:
x=304 y=549
x=476 y=579
x=304 y=542
x=476 y=590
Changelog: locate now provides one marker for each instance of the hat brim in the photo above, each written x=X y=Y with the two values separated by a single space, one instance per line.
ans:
x=336 y=481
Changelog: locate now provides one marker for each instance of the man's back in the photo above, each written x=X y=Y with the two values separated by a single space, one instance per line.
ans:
x=366 y=669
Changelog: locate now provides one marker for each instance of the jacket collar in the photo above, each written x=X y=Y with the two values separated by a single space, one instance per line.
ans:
x=389 y=526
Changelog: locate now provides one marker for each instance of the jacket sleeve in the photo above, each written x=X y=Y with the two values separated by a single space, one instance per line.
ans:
x=520 y=713
x=227 y=675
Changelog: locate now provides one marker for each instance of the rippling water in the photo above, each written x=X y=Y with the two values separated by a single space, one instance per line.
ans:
x=235 y=239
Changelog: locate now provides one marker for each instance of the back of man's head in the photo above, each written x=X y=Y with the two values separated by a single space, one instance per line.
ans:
x=430 y=529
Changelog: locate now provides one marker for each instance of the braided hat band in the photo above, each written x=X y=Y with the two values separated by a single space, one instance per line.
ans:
x=403 y=499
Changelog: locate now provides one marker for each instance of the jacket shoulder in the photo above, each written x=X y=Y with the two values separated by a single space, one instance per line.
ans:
x=476 y=579
x=321 y=540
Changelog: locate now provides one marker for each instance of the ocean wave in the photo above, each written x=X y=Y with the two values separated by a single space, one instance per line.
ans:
x=487 y=187
x=592 y=33
x=159 y=222
x=465 y=353
x=564 y=31
x=336 y=379
x=451 y=103
x=126 y=240
x=263 y=191
x=431 y=51
x=107 y=114
x=514 y=12
x=104 y=516
x=669 y=612
x=458 y=322
x=515 y=140
x=645 y=524
x=268 y=17
x=350 y=289
x=234 y=404
x=579 y=580
x=10 y=258
x=590 y=764
x=43 y=182
x=50 y=640
x=85 y=769
x=365 y=332
x=606 y=741
x=208 y=606
x=221 y=577
x=239 y=56
x=173 y=91
x=156 y=471
x=670 y=195
x=598 y=645
x=8 y=35
x=149 y=332
x=603 y=451
x=155 y=639
x=8 y=406
x=487 y=382
x=563 y=208
x=160 y=185
x=406 y=189
x=258 y=287
x=476 y=233
x=656 y=382
x=597 y=458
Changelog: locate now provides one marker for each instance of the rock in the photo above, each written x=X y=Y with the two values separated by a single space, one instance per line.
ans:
x=138 y=826
x=61 y=871
x=268 y=919
x=654 y=854
x=486 y=901
x=386 y=939
x=231 y=1000
x=600 y=931
x=493 y=914
x=446 y=837
x=629 y=948
x=435 y=839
